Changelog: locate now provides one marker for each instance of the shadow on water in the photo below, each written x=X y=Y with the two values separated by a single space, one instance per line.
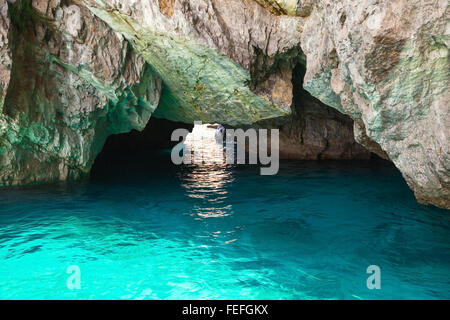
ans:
x=143 y=228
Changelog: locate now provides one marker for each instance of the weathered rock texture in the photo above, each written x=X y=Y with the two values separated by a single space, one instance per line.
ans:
x=72 y=83
x=5 y=54
x=280 y=7
x=70 y=79
x=386 y=65
x=73 y=72
x=315 y=131
x=210 y=54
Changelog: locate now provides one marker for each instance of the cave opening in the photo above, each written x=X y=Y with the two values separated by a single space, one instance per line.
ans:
x=316 y=131
x=135 y=152
x=313 y=131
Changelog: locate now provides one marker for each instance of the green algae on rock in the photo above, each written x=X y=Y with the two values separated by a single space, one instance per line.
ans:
x=85 y=82
x=63 y=98
x=387 y=67
x=69 y=78
x=199 y=83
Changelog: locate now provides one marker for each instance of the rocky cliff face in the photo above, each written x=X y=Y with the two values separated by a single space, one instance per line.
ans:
x=5 y=55
x=315 y=131
x=386 y=65
x=71 y=82
x=74 y=72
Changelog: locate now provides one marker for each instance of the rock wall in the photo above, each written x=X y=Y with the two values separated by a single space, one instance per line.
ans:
x=215 y=57
x=5 y=54
x=315 y=131
x=74 y=72
x=386 y=65
x=71 y=82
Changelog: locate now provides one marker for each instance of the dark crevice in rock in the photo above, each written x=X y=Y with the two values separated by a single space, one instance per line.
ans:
x=315 y=131
x=264 y=66
x=135 y=144
x=60 y=103
x=271 y=76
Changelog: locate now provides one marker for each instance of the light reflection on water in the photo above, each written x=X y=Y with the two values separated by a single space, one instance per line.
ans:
x=209 y=174
x=146 y=229
x=205 y=149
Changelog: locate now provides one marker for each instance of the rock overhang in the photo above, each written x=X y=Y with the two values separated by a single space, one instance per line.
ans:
x=217 y=61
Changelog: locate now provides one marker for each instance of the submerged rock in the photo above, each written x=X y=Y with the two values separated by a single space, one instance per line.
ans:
x=74 y=72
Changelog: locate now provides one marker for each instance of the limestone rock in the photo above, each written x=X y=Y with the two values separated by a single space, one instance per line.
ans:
x=213 y=56
x=5 y=51
x=265 y=45
x=73 y=81
x=74 y=72
x=280 y=7
x=386 y=65
x=315 y=131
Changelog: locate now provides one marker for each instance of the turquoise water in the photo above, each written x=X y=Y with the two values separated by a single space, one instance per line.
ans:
x=151 y=230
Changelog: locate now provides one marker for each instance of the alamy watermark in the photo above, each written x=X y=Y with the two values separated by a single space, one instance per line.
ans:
x=374 y=280
x=74 y=280
x=238 y=151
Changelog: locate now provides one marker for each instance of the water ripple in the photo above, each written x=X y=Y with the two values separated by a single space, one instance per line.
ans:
x=225 y=232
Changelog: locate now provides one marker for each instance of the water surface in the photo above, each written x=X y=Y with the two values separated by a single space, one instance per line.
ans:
x=146 y=229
